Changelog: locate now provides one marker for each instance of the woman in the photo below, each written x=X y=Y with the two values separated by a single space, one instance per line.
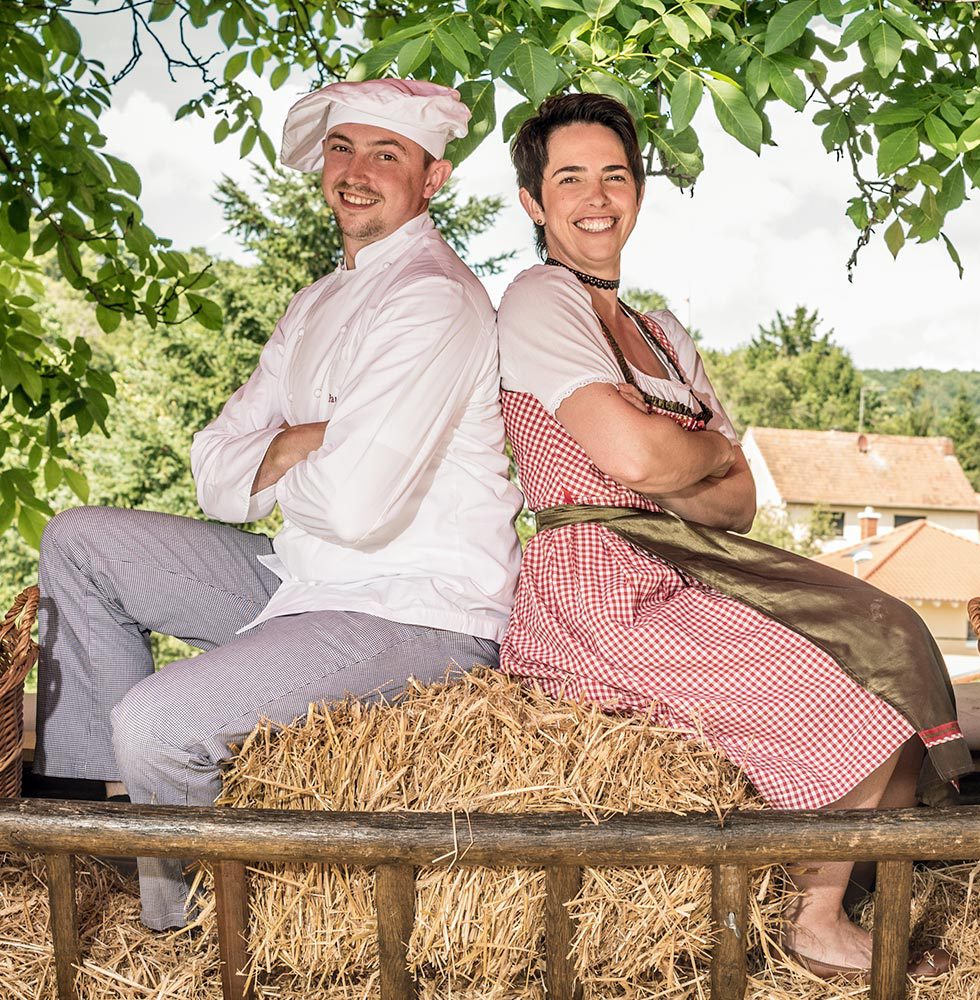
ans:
x=778 y=662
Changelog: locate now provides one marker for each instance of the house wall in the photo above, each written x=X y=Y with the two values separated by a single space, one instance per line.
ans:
x=947 y=622
x=964 y=523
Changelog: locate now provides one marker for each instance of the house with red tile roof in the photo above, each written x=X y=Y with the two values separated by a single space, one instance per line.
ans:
x=933 y=569
x=869 y=483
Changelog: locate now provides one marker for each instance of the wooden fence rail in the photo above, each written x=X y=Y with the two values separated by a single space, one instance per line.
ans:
x=394 y=844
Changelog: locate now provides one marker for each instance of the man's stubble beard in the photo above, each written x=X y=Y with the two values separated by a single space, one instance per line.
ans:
x=368 y=229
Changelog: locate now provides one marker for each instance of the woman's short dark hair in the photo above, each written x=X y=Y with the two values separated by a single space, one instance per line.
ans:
x=529 y=148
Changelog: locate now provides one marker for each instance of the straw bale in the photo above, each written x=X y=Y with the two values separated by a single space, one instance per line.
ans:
x=486 y=743
x=123 y=961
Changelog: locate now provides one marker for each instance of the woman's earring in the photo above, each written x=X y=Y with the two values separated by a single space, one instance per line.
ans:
x=539 y=222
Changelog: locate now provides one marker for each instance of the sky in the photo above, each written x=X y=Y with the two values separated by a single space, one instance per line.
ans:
x=759 y=234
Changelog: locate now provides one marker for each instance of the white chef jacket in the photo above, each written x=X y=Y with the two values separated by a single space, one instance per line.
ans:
x=406 y=511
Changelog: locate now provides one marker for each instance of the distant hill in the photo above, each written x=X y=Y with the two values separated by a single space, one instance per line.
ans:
x=940 y=387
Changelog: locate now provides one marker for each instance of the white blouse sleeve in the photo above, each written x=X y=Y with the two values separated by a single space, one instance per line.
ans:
x=550 y=340
x=693 y=369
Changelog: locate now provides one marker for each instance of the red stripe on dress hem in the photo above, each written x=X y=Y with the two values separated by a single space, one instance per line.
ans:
x=941 y=734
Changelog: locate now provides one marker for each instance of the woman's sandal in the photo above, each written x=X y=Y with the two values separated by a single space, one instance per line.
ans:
x=922 y=965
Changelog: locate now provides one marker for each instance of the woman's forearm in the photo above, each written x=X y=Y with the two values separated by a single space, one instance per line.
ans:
x=648 y=453
x=727 y=502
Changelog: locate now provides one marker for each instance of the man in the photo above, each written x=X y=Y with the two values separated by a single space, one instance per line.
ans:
x=373 y=421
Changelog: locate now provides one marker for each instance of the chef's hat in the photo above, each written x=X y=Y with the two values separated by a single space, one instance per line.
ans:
x=426 y=113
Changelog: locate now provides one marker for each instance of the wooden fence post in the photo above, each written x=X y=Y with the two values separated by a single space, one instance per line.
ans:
x=64 y=921
x=231 y=911
x=562 y=885
x=890 y=942
x=729 y=912
x=394 y=895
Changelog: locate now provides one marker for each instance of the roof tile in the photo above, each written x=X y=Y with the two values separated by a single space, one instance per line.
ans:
x=833 y=469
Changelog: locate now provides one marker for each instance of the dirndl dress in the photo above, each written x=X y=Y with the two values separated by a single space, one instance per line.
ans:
x=598 y=618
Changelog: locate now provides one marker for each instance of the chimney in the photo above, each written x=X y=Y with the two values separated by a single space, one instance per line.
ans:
x=862 y=444
x=868 y=519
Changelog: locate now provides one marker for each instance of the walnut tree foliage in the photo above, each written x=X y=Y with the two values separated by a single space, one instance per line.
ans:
x=891 y=84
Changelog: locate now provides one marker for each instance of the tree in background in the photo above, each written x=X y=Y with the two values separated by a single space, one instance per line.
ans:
x=891 y=84
x=907 y=409
x=789 y=375
x=962 y=424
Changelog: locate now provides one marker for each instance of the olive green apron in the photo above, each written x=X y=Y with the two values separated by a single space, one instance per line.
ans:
x=875 y=638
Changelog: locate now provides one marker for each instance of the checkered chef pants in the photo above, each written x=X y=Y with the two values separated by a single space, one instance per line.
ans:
x=108 y=578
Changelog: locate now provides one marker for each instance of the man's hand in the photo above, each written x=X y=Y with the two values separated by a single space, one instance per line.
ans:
x=286 y=450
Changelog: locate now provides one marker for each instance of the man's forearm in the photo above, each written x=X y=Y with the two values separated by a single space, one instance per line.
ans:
x=287 y=449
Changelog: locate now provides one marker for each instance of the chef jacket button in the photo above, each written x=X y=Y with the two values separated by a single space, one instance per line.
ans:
x=316 y=393
x=387 y=263
x=300 y=332
x=290 y=397
x=343 y=329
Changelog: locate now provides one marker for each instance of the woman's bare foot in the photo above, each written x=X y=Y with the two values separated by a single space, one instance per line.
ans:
x=826 y=937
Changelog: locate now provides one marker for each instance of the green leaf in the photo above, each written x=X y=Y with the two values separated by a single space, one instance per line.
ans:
x=735 y=115
x=599 y=9
x=503 y=53
x=536 y=71
x=857 y=212
x=228 y=27
x=248 y=141
x=940 y=135
x=698 y=16
x=907 y=26
x=685 y=97
x=757 y=79
x=515 y=118
x=13 y=242
x=77 y=483
x=108 y=319
x=161 y=10
x=563 y=5
x=46 y=240
x=65 y=35
x=268 y=149
x=970 y=138
x=479 y=96
x=886 y=48
x=859 y=27
x=895 y=237
x=235 y=65
x=452 y=50
x=125 y=174
x=953 y=192
x=52 y=475
x=279 y=76
x=836 y=131
x=953 y=255
x=833 y=10
x=677 y=29
x=30 y=524
x=413 y=53
x=680 y=150
x=788 y=24
x=786 y=85
x=897 y=149
x=19 y=215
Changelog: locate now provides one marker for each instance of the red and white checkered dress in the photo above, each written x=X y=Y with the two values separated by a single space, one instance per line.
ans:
x=595 y=619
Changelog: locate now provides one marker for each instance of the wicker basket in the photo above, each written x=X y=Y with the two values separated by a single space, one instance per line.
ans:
x=18 y=653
